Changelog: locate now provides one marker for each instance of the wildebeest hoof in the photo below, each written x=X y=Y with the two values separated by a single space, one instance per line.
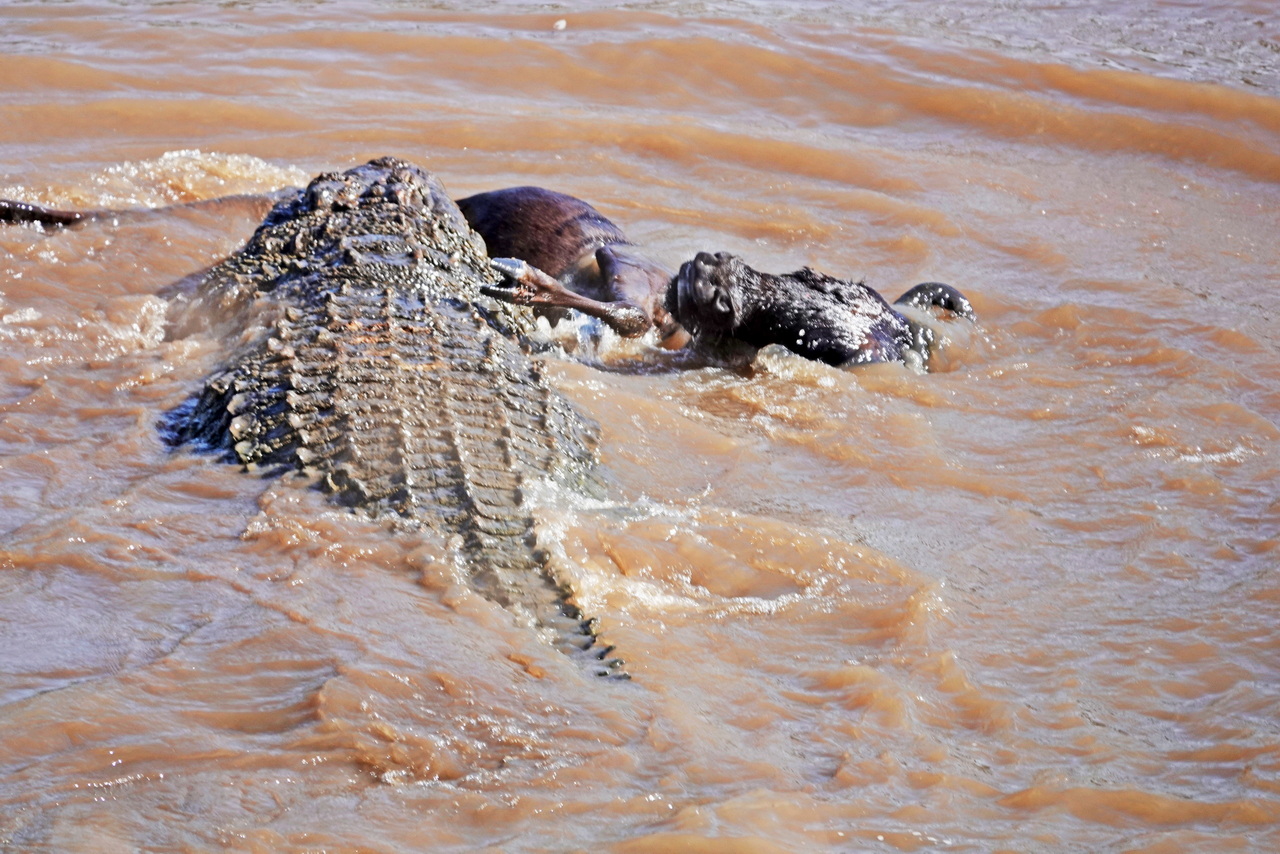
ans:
x=511 y=267
x=523 y=290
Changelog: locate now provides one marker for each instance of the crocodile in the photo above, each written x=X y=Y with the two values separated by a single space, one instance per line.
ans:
x=383 y=373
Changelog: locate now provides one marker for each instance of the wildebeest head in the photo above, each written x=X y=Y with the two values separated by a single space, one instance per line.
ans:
x=705 y=297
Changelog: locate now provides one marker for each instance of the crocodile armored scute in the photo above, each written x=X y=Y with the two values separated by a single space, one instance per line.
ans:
x=386 y=375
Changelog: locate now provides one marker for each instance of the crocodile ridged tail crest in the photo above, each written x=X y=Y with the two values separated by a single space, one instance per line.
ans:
x=392 y=381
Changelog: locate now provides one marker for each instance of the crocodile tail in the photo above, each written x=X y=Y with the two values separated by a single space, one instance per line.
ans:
x=504 y=427
x=529 y=587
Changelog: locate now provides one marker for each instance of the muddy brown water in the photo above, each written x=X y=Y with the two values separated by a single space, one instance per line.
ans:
x=1027 y=603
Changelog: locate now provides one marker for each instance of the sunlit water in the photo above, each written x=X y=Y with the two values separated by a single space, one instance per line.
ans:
x=1026 y=603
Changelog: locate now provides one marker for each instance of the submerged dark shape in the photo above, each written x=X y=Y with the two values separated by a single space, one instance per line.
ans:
x=720 y=299
x=12 y=210
x=562 y=253
x=391 y=379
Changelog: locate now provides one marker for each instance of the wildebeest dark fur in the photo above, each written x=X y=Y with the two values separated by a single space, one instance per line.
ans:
x=719 y=298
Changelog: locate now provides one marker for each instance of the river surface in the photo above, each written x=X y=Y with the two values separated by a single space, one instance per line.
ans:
x=1026 y=603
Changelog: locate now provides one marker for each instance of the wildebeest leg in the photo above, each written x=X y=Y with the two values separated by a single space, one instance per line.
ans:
x=534 y=287
x=937 y=295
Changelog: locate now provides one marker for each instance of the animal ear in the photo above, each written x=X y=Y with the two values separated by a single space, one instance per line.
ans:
x=607 y=261
x=721 y=304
